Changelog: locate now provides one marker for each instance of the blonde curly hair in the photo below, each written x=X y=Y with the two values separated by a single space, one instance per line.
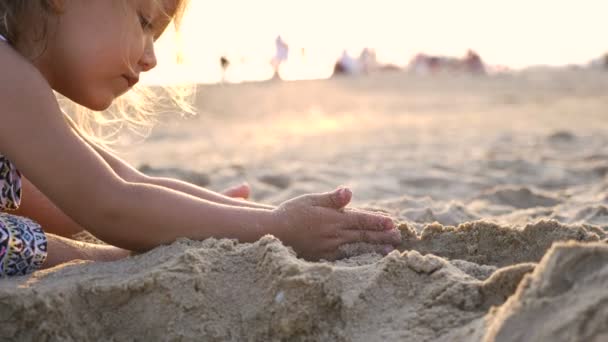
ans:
x=135 y=111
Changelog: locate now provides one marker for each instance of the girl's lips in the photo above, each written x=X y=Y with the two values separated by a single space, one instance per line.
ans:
x=131 y=80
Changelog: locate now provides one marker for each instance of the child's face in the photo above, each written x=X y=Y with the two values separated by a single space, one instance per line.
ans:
x=99 y=47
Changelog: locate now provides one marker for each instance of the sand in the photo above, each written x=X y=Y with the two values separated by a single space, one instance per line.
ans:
x=498 y=184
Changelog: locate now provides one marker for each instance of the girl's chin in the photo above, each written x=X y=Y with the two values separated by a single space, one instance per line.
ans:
x=99 y=100
x=99 y=103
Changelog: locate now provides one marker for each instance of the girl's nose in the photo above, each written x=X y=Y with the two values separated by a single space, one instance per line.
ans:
x=148 y=59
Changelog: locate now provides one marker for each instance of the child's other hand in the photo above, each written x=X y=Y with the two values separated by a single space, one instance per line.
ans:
x=241 y=191
x=315 y=225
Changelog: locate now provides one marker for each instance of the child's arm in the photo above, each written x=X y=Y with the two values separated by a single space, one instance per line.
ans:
x=137 y=216
x=64 y=250
x=36 y=206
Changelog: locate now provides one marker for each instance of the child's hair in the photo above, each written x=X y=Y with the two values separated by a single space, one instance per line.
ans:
x=135 y=110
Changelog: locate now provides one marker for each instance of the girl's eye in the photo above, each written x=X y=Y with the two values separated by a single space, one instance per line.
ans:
x=145 y=23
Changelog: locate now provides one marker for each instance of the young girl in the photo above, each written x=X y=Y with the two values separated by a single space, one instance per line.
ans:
x=61 y=182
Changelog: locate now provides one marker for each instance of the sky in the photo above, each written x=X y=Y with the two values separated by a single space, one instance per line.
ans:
x=514 y=33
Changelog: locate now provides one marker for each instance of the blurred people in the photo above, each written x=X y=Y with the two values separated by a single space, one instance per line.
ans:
x=367 y=60
x=345 y=65
x=224 y=63
x=367 y=63
x=473 y=64
x=281 y=54
x=419 y=64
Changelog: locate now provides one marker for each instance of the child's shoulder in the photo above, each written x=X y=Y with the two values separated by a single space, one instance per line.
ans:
x=25 y=96
x=19 y=76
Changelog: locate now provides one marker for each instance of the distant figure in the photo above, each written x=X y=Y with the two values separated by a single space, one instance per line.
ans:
x=434 y=63
x=473 y=64
x=367 y=60
x=224 y=63
x=424 y=64
x=419 y=64
x=346 y=65
x=281 y=55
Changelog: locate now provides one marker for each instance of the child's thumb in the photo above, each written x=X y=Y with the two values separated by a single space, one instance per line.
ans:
x=336 y=199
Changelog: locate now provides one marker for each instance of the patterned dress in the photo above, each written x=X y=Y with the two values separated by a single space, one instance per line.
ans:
x=10 y=185
x=23 y=244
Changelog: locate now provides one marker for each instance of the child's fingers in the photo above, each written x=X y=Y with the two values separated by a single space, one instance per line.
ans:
x=238 y=191
x=362 y=220
x=336 y=199
x=388 y=237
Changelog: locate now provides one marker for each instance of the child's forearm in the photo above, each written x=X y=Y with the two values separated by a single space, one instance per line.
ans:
x=36 y=206
x=203 y=193
x=61 y=250
x=144 y=216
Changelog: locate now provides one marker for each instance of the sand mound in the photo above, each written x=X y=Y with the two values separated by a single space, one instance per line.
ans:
x=488 y=243
x=218 y=290
x=572 y=276
x=222 y=290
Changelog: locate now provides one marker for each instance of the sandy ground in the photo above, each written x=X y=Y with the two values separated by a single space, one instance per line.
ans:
x=489 y=177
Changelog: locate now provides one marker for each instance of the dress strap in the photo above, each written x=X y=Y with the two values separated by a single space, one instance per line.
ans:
x=10 y=185
x=2 y=38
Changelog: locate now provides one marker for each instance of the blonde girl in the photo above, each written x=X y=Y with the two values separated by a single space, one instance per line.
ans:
x=55 y=181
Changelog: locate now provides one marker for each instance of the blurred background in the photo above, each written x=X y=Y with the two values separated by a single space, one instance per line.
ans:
x=316 y=33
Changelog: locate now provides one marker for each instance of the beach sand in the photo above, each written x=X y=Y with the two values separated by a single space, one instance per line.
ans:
x=498 y=184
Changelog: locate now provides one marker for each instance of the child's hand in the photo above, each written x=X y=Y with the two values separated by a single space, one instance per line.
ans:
x=240 y=191
x=316 y=225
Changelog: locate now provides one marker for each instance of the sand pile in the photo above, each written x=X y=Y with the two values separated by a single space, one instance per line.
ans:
x=221 y=290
